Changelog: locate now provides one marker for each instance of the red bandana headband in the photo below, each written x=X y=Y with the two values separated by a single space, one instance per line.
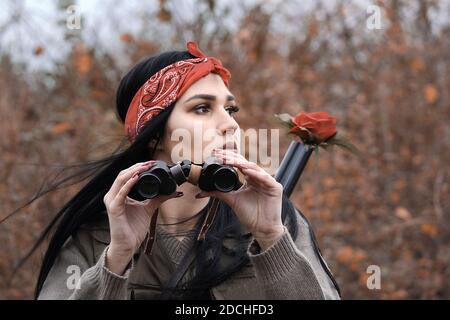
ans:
x=167 y=85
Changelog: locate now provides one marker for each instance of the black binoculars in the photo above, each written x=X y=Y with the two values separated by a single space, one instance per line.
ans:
x=162 y=179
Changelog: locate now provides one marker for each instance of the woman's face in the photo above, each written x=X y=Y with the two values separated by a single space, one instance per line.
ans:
x=203 y=119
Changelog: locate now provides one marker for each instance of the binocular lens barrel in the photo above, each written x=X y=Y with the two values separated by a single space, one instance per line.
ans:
x=149 y=185
x=224 y=179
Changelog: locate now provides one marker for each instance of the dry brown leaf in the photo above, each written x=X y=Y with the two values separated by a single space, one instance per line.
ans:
x=164 y=15
x=82 y=59
x=429 y=229
x=61 y=128
x=38 y=50
x=126 y=37
x=395 y=197
x=431 y=93
x=403 y=213
x=345 y=254
x=417 y=64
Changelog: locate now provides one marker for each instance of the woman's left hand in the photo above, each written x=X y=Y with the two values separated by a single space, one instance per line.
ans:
x=257 y=203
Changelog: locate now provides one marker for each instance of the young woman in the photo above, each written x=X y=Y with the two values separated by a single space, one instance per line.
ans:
x=251 y=243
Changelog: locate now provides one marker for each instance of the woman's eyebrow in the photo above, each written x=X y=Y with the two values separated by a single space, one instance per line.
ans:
x=209 y=97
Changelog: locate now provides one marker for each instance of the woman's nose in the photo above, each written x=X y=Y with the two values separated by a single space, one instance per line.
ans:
x=226 y=124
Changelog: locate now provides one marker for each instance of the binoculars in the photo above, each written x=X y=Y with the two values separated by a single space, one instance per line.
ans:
x=162 y=179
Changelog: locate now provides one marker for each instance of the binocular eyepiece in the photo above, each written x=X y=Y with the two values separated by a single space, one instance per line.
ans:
x=162 y=179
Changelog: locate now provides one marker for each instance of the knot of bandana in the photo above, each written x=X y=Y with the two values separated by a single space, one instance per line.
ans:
x=167 y=85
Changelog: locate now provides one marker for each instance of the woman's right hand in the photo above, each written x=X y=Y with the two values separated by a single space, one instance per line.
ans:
x=129 y=220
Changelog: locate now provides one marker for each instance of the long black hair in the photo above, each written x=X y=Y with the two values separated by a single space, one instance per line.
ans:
x=87 y=205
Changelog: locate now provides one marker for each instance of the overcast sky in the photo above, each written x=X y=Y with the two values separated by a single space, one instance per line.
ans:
x=104 y=20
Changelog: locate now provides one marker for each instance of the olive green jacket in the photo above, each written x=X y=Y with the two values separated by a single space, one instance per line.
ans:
x=286 y=270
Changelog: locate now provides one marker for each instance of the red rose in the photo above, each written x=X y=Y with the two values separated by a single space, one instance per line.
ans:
x=320 y=125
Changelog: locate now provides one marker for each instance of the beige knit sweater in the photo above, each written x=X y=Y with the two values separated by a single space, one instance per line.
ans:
x=287 y=270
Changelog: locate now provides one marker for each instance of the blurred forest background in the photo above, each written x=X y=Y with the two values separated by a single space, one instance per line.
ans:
x=388 y=88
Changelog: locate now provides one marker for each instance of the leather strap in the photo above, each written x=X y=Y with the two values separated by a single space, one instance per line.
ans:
x=152 y=233
x=208 y=220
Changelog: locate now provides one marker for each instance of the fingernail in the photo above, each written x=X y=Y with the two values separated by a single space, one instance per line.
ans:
x=199 y=195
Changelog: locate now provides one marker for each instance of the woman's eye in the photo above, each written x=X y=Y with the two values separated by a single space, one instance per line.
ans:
x=202 y=108
x=232 y=110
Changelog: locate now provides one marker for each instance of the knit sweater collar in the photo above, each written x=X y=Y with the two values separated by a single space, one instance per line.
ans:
x=174 y=248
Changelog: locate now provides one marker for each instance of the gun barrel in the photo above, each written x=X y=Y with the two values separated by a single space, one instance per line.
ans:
x=292 y=165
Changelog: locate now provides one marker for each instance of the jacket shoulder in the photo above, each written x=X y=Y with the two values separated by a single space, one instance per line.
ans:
x=92 y=237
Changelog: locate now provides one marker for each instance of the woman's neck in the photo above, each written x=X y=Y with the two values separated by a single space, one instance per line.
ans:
x=180 y=209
